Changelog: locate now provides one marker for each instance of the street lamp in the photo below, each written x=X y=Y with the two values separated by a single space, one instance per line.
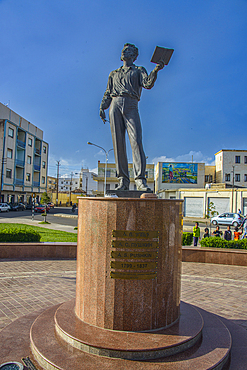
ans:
x=106 y=158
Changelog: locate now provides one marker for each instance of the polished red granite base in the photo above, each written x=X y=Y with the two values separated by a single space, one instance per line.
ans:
x=52 y=352
x=128 y=345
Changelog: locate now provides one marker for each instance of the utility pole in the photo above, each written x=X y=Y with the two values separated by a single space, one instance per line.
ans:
x=71 y=175
x=58 y=164
x=232 y=185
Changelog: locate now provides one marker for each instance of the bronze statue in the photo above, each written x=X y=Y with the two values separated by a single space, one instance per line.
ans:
x=122 y=94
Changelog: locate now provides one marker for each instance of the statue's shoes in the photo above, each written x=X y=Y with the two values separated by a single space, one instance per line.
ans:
x=143 y=187
x=122 y=187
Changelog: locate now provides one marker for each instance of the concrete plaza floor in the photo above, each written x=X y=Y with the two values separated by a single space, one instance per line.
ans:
x=28 y=286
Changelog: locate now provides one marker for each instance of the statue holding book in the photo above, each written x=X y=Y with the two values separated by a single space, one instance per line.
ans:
x=122 y=95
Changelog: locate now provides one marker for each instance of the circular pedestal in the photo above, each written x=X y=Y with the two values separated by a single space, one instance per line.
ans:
x=128 y=263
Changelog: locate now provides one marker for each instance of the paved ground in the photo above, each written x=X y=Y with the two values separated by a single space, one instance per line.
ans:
x=27 y=286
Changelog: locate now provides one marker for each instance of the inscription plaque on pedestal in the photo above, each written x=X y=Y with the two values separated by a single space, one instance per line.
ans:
x=122 y=261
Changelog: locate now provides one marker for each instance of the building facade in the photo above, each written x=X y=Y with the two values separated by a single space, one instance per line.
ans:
x=23 y=158
x=112 y=180
x=83 y=181
x=231 y=167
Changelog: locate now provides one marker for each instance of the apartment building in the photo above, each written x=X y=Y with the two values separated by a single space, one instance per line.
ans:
x=23 y=158
x=231 y=167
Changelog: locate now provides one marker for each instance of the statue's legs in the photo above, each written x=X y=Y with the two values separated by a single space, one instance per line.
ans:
x=124 y=115
x=118 y=130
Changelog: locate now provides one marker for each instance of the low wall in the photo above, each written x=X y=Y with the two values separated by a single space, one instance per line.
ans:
x=236 y=257
x=38 y=250
x=221 y=256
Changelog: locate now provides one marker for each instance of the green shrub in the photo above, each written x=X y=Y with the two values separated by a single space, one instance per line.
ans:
x=17 y=235
x=187 y=238
x=216 y=242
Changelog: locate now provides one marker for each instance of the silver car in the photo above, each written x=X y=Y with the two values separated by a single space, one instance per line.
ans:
x=4 y=207
x=227 y=218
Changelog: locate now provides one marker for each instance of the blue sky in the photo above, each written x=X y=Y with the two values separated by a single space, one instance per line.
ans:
x=56 y=56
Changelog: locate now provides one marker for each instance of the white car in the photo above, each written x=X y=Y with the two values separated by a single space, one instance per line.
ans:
x=4 y=207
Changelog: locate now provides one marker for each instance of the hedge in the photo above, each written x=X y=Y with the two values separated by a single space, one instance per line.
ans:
x=217 y=242
x=187 y=238
x=19 y=236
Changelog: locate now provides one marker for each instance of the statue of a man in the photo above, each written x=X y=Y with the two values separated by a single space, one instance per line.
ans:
x=122 y=94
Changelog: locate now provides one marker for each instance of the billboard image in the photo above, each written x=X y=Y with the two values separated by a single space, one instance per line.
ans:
x=179 y=173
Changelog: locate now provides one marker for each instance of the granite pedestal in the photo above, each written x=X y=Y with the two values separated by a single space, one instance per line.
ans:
x=127 y=312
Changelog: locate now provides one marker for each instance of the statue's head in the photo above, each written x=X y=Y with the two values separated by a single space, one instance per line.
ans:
x=129 y=51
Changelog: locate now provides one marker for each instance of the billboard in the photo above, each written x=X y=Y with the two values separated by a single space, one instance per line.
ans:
x=179 y=173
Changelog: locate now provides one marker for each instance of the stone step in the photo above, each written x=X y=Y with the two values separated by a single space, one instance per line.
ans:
x=129 y=345
x=52 y=353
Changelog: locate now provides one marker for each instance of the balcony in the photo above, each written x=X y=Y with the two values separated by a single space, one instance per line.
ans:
x=19 y=181
x=36 y=184
x=37 y=151
x=19 y=163
x=21 y=144
x=36 y=167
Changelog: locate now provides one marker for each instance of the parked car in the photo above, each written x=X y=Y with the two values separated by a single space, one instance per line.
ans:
x=29 y=206
x=50 y=204
x=41 y=208
x=227 y=218
x=16 y=206
x=4 y=207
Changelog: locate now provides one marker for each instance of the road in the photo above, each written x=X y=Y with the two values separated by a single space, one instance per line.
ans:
x=51 y=216
x=68 y=218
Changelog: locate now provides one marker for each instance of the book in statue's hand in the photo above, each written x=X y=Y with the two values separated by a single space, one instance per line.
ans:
x=162 y=54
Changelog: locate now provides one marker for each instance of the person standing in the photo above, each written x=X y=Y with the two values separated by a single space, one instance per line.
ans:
x=217 y=232
x=196 y=234
x=206 y=235
x=237 y=233
x=228 y=234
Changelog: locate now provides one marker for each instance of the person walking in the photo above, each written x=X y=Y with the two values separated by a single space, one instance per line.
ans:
x=244 y=227
x=228 y=234
x=196 y=234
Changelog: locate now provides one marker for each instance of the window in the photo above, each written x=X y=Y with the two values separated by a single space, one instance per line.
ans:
x=61 y=187
x=30 y=142
x=227 y=177
x=29 y=159
x=61 y=182
x=108 y=186
x=108 y=173
x=43 y=179
x=8 y=173
x=11 y=132
x=237 y=177
x=245 y=159
x=206 y=178
x=43 y=164
x=237 y=159
x=245 y=177
x=9 y=153
x=44 y=149
x=28 y=177
x=116 y=185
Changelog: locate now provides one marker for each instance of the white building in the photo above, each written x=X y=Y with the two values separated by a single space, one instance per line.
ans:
x=83 y=181
x=231 y=167
x=23 y=158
